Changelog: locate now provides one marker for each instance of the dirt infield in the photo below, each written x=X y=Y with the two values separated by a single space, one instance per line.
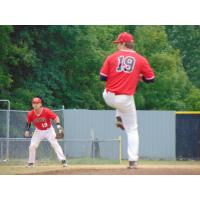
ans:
x=144 y=168
x=114 y=170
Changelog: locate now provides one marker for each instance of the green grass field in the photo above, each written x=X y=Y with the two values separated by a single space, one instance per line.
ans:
x=90 y=161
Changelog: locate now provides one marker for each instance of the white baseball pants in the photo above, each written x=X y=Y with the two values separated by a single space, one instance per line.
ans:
x=48 y=134
x=125 y=108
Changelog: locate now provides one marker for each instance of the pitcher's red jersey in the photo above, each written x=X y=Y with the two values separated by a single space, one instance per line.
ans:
x=123 y=69
x=43 y=120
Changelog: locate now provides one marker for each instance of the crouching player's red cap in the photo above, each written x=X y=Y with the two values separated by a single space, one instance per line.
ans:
x=36 y=100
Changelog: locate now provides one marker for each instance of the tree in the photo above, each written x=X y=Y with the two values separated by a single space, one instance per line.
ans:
x=187 y=40
x=193 y=99
x=172 y=84
x=5 y=46
x=62 y=63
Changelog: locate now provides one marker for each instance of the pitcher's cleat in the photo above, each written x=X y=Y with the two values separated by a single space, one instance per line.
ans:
x=64 y=163
x=132 y=165
x=119 y=123
x=30 y=165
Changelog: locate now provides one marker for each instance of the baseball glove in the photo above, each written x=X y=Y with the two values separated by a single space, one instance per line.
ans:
x=59 y=132
x=28 y=134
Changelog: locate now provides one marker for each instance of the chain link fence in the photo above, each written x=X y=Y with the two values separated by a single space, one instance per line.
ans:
x=73 y=148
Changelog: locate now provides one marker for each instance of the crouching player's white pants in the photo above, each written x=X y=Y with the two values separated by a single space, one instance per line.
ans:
x=48 y=134
x=125 y=108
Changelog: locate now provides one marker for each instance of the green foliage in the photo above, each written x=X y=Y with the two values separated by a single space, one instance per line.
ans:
x=193 y=99
x=187 y=40
x=62 y=63
x=5 y=47
x=171 y=86
x=150 y=40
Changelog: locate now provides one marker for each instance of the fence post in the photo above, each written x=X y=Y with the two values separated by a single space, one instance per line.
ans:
x=64 y=141
x=1 y=149
x=8 y=127
x=92 y=137
x=120 y=149
x=8 y=131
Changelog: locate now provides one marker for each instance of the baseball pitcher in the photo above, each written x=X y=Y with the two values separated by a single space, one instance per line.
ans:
x=41 y=118
x=122 y=71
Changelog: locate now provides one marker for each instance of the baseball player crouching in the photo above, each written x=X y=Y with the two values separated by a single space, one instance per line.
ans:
x=41 y=118
x=122 y=71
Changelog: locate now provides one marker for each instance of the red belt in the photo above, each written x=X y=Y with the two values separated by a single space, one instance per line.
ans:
x=115 y=93
x=44 y=129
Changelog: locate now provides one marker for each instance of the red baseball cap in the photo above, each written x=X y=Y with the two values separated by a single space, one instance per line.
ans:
x=36 y=100
x=124 y=37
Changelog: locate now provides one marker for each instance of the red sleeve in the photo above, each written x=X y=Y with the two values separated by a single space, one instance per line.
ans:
x=147 y=71
x=29 y=117
x=51 y=114
x=105 y=68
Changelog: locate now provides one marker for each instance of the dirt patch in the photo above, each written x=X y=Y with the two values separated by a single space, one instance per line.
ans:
x=109 y=170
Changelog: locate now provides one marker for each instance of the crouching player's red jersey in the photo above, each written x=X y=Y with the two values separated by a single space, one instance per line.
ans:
x=123 y=69
x=43 y=120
